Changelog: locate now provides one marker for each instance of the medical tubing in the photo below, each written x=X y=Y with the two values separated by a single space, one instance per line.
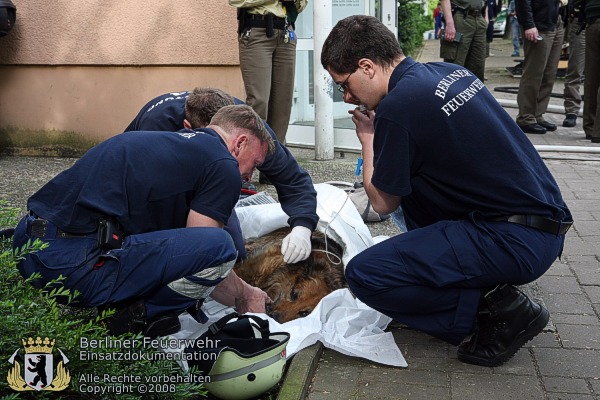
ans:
x=357 y=172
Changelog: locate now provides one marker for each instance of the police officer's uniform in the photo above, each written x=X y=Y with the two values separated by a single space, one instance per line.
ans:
x=470 y=51
x=267 y=48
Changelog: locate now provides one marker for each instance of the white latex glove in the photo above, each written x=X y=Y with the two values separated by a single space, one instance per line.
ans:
x=235 y=292
x=296 y=246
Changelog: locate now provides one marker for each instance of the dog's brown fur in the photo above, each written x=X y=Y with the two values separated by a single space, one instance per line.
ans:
x=294 y=288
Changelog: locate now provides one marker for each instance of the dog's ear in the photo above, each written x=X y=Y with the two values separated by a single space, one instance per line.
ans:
x=334 y=277
x=318 y=241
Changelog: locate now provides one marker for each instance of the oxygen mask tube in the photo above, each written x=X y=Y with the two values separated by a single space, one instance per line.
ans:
x=357 y=172
x=359 y=164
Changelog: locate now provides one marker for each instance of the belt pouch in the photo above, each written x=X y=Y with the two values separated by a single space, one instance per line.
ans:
x=110 y=234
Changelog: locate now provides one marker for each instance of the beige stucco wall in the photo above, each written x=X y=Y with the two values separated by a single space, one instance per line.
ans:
x=96 y=101
x=88 y=66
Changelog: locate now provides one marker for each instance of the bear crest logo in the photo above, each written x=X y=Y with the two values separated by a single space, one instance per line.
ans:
x=38 y=364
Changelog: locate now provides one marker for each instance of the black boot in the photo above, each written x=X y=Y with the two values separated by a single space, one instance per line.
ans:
x=507 y=319
x=162 y=325
x=129 y=316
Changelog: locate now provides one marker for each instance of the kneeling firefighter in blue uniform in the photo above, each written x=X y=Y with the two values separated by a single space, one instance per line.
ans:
x=194 y=109
x=136 y=223
x=483 y=211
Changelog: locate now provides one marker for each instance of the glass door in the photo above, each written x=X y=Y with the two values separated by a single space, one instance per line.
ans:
x=303 y=110
x=301 y=131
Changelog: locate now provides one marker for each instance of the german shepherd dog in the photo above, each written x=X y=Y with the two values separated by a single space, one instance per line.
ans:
x=294 y=288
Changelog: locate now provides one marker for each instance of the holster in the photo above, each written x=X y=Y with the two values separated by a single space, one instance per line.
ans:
x=269 y=22
x=241 y=17
x=110 y=234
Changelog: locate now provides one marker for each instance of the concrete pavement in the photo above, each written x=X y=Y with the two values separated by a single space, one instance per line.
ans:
x=563 y=362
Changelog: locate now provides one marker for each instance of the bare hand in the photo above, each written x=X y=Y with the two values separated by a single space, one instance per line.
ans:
x=234 y=292
x=449 y=33
x=253 y=300
x=531 y=34
x=364 y=124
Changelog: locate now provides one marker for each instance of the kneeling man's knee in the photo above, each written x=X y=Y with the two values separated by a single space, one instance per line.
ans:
x=355 y=277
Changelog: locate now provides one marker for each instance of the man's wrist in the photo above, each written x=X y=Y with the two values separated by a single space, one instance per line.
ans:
x=303 y=223
x=303 y=229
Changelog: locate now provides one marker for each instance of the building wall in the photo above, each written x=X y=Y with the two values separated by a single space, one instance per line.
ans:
x=89 y=66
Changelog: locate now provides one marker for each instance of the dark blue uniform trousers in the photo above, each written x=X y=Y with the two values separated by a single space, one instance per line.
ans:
x=431 y=278
x=171 y=269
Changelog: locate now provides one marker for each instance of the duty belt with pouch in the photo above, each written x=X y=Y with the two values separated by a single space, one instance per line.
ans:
x=44 y=229
x=465 y=11
x=109 y=234
x=267 y=21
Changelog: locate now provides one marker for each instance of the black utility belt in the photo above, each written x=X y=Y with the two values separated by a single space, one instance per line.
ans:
x=109 y=234
x=39 y=228
x=259 y=17
x=278 y=23
x=535 y=221
x=471 y=12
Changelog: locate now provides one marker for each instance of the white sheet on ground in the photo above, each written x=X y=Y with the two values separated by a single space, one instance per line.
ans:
x=338 y=218
x=340 y=321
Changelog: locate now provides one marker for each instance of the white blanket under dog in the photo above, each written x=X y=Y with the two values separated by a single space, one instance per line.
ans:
x=340 y=321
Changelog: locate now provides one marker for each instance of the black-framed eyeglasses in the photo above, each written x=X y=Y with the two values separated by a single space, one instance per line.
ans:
x=342 y=87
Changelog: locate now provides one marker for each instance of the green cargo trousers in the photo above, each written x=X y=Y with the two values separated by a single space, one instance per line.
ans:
x=539 y=73
x=470 y=52
x=268 y=67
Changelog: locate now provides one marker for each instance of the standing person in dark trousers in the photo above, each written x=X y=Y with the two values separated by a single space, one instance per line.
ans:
x=591 y=86
x=464 y=35
x=267 y=48
x=438 y=17
x=483 y=211
x=136 y=223
x=542 y=43
x=576 y=66
x=515 y=30
x=174 y=111
x=491 y=10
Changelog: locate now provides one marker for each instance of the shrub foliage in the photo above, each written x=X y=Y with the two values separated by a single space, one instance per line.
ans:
x=412 y=23
x=28 y=312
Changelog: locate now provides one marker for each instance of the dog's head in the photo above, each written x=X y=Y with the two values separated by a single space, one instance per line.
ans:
x=294 y=288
